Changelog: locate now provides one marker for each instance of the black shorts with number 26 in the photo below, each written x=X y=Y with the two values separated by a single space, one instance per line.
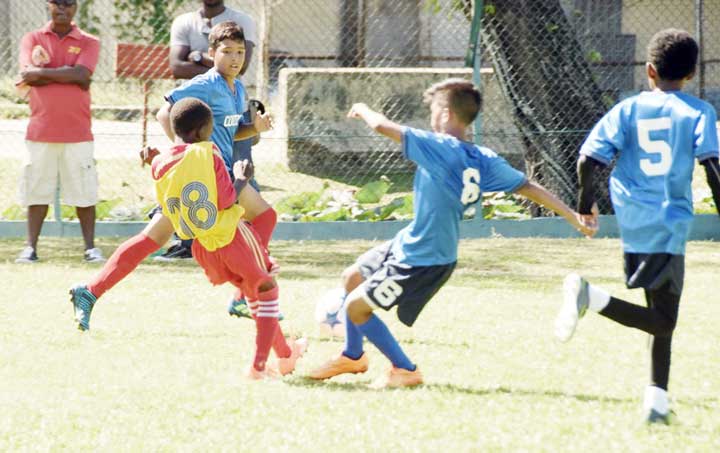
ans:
x=390 y=283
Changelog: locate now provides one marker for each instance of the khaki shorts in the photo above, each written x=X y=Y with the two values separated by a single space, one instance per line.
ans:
x=75 y=165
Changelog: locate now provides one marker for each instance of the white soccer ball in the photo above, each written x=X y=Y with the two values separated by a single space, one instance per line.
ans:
x=330 y=313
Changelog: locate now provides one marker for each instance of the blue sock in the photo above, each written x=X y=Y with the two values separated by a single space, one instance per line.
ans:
x=377 y=332
x=353 y=340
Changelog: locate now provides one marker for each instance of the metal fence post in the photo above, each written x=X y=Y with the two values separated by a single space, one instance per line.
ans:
x=699 y=16
x=473 y=59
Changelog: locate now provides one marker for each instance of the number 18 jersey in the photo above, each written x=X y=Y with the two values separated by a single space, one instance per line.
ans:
x=195 y=193
x=656 y=137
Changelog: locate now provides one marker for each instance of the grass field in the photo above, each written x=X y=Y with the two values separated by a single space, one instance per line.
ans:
x=162 y=368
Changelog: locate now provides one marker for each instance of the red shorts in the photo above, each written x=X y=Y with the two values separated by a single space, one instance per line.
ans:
x=243 y=262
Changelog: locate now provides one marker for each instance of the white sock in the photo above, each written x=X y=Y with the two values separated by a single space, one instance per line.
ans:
x=599 y=298
x=655 y=398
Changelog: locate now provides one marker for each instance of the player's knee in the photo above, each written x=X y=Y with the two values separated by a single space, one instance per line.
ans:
x=267 y=286
x=351 y=278
x=359 y=311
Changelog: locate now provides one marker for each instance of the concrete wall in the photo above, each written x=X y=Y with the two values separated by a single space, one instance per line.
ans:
x=314 y=104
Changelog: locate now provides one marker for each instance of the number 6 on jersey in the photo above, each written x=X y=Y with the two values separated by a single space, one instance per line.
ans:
x=471 y=186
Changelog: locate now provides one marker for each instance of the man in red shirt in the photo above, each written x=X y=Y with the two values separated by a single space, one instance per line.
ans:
x=56 y=63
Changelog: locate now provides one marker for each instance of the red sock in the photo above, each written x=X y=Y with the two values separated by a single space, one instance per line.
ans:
x=266 y=328
x=264 y=224
x=123 y=260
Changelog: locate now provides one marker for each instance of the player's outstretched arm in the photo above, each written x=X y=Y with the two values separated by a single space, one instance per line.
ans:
x=377 y=121
x=712 y=173
x=540 y=195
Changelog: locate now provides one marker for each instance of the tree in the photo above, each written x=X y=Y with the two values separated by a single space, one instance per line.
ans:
x=543 y=73
x=145 y=21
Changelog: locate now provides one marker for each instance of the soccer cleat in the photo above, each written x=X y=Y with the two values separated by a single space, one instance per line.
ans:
x=27 y=256
x=575 y=304
x=175 y=252
x=398 y=377
x=94 y=255
x=239 y=308
x=268 y=373
x=657 y=418
x=340 y=365
x=287 y=365
x=83 y=301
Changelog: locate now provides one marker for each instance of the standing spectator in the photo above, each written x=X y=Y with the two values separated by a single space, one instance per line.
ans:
x=59 y=139
x=189 y=57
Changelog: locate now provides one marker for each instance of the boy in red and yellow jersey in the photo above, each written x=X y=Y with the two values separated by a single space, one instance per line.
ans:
x=196 y=194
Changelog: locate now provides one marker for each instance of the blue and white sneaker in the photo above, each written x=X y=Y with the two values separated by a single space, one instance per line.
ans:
x=83 y=302
x=656 y=406
x=575 y=304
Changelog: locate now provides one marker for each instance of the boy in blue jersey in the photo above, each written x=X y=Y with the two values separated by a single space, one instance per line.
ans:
x=408 y=270
x=225 y=95
x=654 y=138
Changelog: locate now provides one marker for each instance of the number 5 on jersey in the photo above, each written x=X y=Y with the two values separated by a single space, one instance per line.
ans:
x=471 y=186
x=660 y=148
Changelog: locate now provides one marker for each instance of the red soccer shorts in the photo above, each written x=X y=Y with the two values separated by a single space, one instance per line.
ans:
x=243 y=262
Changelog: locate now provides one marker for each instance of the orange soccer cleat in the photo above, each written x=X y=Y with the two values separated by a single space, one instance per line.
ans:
x=269 y=373
x=398 y=377
x=298 y=348
x=340 y=365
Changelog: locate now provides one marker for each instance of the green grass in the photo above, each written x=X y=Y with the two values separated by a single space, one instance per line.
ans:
x=162 y=368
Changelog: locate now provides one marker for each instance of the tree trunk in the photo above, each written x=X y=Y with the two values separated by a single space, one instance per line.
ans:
x=543 y=73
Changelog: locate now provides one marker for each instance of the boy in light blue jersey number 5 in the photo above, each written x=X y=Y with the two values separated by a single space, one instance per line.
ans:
x=407 y=271
x=654 y=138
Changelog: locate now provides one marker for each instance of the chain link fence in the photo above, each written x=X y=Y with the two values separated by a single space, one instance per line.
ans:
x=551 y=69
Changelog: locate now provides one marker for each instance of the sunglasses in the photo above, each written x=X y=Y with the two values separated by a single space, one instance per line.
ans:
x=62 y=2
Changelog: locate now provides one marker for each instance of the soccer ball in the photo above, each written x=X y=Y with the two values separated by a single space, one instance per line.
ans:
x=330 y=313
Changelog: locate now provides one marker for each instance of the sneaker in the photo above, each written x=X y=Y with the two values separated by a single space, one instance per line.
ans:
x=657 y=418
x=298 y=348
x=174 y=253
x=656 y=406
x=268 y=373
x=94 y=255
x=340 y=365
x=575 y=304
x=27 y=256
x=398 y=377
x=83 y=301
x=239 y=308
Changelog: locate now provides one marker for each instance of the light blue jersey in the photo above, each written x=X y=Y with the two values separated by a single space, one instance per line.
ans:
x=656 y=136
x=227 y=107
x=450 y=177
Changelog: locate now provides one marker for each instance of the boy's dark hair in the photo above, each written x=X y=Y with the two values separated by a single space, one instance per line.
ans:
x=225 y=30
x=674 y=53
x=188 y=115
x=459 y=95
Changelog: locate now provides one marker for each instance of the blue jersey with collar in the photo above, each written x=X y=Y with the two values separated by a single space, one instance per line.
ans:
x=655 y=136
x=227 y=107
x=451 y=176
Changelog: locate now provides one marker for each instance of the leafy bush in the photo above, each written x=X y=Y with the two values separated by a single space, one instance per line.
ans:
x=365 y=205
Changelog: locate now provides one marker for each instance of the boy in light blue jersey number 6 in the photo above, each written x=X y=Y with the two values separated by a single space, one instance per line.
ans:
x=407 y=271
